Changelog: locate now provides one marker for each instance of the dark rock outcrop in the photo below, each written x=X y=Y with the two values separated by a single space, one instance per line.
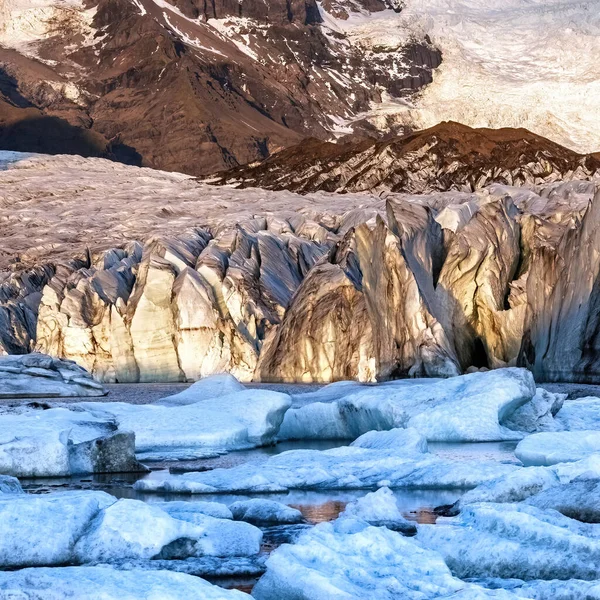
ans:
x=449 y=156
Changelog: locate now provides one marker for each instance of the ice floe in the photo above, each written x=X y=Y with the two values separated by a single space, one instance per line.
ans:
x=380 y=510
x=41 y=376
x=60 y=442
x=109 y=584
x=261 y=511
x=214 y=386
x=582 y=414
x=350 y=560
x=557 y=447
x=578 y=500
x=515 y=541
x=395 y=459
x=231 y=422
x=468 y=408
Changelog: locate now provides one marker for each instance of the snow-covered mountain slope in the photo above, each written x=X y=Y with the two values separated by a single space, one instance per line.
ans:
x=187 y=86
x=514 y=63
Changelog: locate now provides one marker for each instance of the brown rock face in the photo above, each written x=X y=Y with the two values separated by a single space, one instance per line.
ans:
x=194 y=86
x=449 y=156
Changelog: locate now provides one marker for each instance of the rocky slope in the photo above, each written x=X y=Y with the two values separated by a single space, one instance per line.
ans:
x=449 y=156
x=186 y=85
x=194 y=87
x=318 y=287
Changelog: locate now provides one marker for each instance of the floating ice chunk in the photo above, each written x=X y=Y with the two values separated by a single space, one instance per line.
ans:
x=349 y=560
x=60 y=442
x=262 y=511
x=134 y=529
x=529 y=481
x=537 y=414
x=235 y=421
x=109 y=584
x=131 y=529
x=380 y=510
x=573 y=589
x=188 y=511
x=580 y=415
x=214 y=386
x=42 y=530
x=469 y=408
x=578 y=500
x=400 y=463
x=551 y=448
x=41 y=376
x=515 y=541
x=10 y=485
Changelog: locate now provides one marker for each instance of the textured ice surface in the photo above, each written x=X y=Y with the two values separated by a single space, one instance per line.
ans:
x=214 y=386
x=233 y=421
x=106 y=583
x=515 y=541
x=42 y=530
x=547 y=590
x=582 y=414
x=59 y=442
x=10 y=485
x=259 y=510
x=578 y=499
x=397 y=462
x=529 y=481
x=380 y=510
x=468 y=408
x=538 y=414
x=189 y=511
x=41 y=376
x=557 y=447
x=349 y=560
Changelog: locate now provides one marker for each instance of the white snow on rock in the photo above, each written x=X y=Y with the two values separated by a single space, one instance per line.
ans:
x=107 y=583
x=551 y=448
x=214 y=386
x=41 y=376
x=380 y=510
x=259 y=510
x=515 y=541
x=60 y=442
x=392 y=464
x=349 y=560
x=520 y=63
x=41 y=530
x=231 y=422
x=580 y=415
x=468 y=408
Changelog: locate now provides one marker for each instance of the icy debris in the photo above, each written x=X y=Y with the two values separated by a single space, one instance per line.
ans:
x=61 y=442
x=260 y=511
x=580 y=415
x=527 y=482
x=400 y=463
x=538 y=414
x=230 y=422
x=109 y=584
x=189 y=511
x=545 y=590
x=10 y=485
x=552 y=448
x=468 y=408
x=578 y=500
x=214 y=386
x=515 y=541
x=380 y=510
x=90 y=527
x=41 y=376
x=349 y=560
x=42 y=530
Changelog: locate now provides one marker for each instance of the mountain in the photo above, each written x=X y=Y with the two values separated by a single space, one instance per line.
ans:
x=200 y=87
x=449 y=156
